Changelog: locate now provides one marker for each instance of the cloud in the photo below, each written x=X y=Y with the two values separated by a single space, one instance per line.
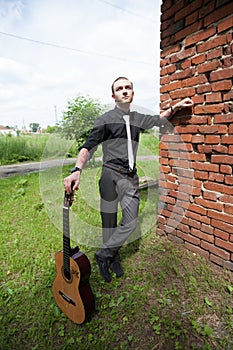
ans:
x=75 y=48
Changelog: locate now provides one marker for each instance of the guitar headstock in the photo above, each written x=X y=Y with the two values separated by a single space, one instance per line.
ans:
x=68 y=199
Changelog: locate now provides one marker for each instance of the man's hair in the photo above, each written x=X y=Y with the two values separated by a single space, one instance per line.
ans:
x=119 y=78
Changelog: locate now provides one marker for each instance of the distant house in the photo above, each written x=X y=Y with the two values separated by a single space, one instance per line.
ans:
x=6 y=131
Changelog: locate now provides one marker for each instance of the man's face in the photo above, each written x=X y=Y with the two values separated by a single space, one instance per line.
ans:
x=123 y=91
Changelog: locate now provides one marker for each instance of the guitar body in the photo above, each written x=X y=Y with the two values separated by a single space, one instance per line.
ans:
x=74 y=295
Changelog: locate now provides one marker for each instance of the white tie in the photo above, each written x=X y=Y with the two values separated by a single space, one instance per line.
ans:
x=129 y=143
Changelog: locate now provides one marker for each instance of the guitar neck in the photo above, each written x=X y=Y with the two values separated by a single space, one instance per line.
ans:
x=66 y=242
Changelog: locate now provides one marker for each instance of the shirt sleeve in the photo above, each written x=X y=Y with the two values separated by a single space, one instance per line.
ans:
x=95 y=137
x=149 y=121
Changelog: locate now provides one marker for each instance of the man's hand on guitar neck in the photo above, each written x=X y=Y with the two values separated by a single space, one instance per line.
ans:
x=72 y=181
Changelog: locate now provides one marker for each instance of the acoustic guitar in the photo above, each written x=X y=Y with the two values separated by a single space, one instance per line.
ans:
x=71 y=287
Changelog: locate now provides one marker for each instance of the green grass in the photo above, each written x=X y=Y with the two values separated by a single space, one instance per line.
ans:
x=168 y=298
x=17 y=149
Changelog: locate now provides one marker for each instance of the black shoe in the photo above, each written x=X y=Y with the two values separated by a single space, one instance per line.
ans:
x=103 y=266
x=115 y=266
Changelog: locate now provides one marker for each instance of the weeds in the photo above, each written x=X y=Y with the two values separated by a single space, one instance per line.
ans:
x=169 y=298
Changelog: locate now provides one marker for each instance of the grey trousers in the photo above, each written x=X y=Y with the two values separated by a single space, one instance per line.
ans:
x=117 y=188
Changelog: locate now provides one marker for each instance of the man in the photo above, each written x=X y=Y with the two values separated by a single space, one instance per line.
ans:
x=119 y=179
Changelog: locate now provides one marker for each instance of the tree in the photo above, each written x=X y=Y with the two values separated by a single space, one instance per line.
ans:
x=34 y=127
x=52 y=129
x=79 y=118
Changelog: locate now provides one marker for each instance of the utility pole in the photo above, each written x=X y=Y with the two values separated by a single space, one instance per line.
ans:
x=55 y=110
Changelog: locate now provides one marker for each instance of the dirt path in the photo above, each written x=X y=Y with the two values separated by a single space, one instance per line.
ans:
x=24 y=168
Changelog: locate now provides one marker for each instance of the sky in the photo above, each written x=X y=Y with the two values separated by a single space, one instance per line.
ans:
x=54 y=50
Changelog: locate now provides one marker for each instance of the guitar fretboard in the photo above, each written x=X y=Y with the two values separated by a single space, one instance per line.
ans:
x=66 y=242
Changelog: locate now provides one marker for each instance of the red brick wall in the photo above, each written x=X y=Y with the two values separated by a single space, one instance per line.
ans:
x=196 y=151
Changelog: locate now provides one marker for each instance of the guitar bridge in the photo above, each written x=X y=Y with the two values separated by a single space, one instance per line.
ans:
x=66 y=298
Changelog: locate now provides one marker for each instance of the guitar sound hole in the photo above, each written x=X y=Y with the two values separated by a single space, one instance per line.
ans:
x=67 y=275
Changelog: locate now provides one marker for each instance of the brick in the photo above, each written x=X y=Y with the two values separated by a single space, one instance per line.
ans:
x=209 y=66
x=228 y=61
x=188 y=238
x=191 y=18
x=200 y=36
x=229 y=209
x=219 y=149
x=165 y=80
x=198 y=59
x=175 y=239
x=167 y=199
x=169 y=50
x=204 y=88
x=186 y=138
x=225 y=24
x=194 y=223
x=228 y=96
x=170 y=10
x=183 y=54
x=198 y=139
x=229 y=179
x=172 y=86
x=201 y=175
x=210 y=195
x=218 y=14
x=227 y=139
x=226 y=199
x=221 y=234
x=183 y=92
x=198 y=99
x=207 y=229
x=208 y=109
x=188 y=31
x=164 y=97
x=165 y=169
x=215 y=250
x=228 y=118
x=215 y=53
x=198 y=157
x=220 y=40
x=222 y=159
x=186 y=73
x=220 y=216
x=209 y=204
x=224 y=189
x=197 y=209
x=188 y=129
x=206 y=8
x=228 y=228
x=216 y=177
x=185 y=11
x=202 y=235
x=217 y=260
x=167 y=70
x=212 y=139
x=186 y=64
x=205 y=167
x=212 y=129
x=221 y=85
x=166 y=5
x=231 y=129
x=221 y=74
x=224 y=244
x=213 y=97
x=197 y=250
